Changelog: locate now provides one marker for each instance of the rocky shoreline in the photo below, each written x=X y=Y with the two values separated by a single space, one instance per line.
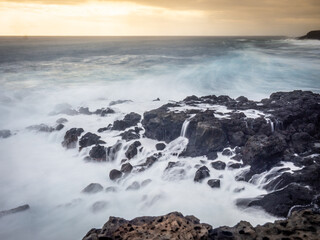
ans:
x=274 y=143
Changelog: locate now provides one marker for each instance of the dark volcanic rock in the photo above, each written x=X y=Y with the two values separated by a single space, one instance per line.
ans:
x=109 y=127
x=5 y=133
x=98 y=153
x=130 y=135
x=71 y=137
x=129 y=120
x=14 y=210
x=214 y=183
x=89 y=139
x=104 y=111
x=132 y=150
x=163 y=125
x=93 y=188
x=59 y=127
x=279 y=202
x=218 y=165
x=160 y=146
x=126 y=168
x=312 y=35
x=201 y=174
x=115 y=174
x=84 y=110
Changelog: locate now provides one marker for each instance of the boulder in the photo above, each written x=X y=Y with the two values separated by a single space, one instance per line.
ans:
x=126 y=168
x=71 y=137
x=59 y=127
x=130 y=135
x=93 y=188
x=160 y=146
x=201 y=174
x=89 y=139
x=134 y=186
x=218 y=165
x=98 y=206
x=5 y=133
x=132 y=150
x=98 y=153
x=115 y=174
x=214 y=183
x=61 y=120
x=111 y=189
x=129 y=120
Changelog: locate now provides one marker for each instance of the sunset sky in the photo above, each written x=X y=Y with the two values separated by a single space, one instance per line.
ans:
x=159 y=17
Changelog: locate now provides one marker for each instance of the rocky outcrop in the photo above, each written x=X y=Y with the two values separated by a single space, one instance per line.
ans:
x=129 y=120
x=71 y=137
x=311 y=35
x=98 y=153
x=132 y=150
x=300 y=225
x=89 y=139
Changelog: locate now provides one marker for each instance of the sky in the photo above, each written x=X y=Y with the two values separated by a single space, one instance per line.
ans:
x=159 y=17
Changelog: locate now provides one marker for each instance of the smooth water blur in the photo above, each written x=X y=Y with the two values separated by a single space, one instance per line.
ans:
x=38 y=73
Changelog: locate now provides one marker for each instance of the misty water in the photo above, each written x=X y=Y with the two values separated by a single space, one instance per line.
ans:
x=40 y=75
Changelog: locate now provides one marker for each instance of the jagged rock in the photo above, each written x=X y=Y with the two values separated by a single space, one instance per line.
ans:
x=130 y=135
x=160 y=146
x=98 y=206
x=89 y=139
x=14 y=210
x=71 y=137
x=132 y=150
x=61 y=120
x=218 y=165
x=171 y=226
x=214 y=183
x=201 y=174
x=129 y=120
x=5 y=133
x=279 y=202
x=98 y=153
x=93 y=188
x=315 y=35
x=115 y=174
x=134 y=186
x=126 y=168
x=163 y=125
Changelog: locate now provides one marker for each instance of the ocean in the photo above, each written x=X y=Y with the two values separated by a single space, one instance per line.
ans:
x=40 y=75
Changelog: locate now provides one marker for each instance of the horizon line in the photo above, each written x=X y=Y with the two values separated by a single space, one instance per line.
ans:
x=26 y=36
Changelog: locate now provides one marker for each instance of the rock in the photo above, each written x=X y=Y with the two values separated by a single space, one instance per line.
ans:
x=145 y=182
x=111 y=189
x=132 y=150
x=98 y=153
x=214 y=183
x=171 y=226
x=84 y=110
x=98 y=206
x=115 y=174
x=237 y=139
x=89 y=139
x=218 y=165
x=201 y=174
x=227 y=152
x=160 y=146
x=148 y=163
x=130 y=135
x=163 y=125
x=61 y=120
x=14 y=210
x=134 y=186
x=41 y=128
x=71 y=137
x=301 y=142
x=172 y=165
x=129 y=120
x=64 y=108
x=279 y=203
x=126 y=168
x=315 y=35
x=5 y=133
x=59 y=127
x=155 y=100
x=262 y=152
x=100 y=130
x=234 y=166
x=93 y=188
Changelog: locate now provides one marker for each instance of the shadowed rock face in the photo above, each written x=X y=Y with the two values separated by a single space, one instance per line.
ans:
x=311 y=35
x=300 y=225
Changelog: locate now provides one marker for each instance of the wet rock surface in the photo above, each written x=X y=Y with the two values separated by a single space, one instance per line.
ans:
x=89 y=139
x=300 y=225
x=71 y=137
x=129 y=120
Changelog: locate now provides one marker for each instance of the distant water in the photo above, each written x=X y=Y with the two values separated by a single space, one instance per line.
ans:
x=39 y=73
